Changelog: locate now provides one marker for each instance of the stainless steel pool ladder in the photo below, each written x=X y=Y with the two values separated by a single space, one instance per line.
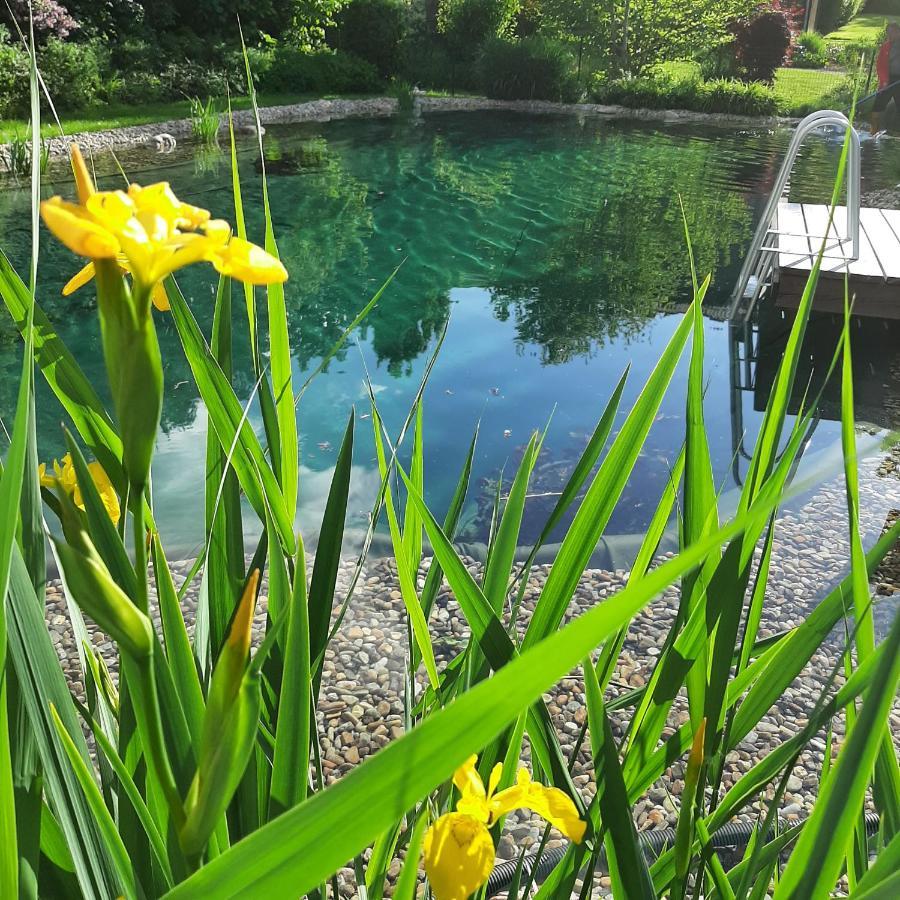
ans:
x=758 y=272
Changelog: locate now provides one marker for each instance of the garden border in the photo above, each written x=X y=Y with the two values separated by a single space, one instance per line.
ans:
x=324 y=110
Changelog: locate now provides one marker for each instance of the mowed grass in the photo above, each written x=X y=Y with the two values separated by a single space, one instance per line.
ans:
x=112 y=115
x=796 y=88
x=864 y=29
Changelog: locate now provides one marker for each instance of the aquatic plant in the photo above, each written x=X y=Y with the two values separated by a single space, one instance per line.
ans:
x=204 y=776
x=18 y=154
x=205 y=120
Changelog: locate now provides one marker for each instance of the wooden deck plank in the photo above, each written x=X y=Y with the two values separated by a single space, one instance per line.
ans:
x=892 y=217
x=794 y=250
x=817 y=219
x=874 y=276
x=882 y=238
x=867 y=266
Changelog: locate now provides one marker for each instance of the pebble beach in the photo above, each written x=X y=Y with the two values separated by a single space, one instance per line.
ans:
x=361 y=705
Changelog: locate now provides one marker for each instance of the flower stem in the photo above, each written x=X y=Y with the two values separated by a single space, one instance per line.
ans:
x=144 y=679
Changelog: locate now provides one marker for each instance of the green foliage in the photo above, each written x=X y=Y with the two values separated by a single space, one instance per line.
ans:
x=835 y=13
x=630 y=36
x=372 y=30
x=18 y=154
x=204 y=778
x=535 y=68
x=467 y=24
x=205 y=120
x=810 y=51
x=286 y=69
x=719 y=95
x=72 y=72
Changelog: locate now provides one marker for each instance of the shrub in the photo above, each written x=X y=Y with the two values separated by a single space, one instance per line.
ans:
x=135 y=87
x=372 y=30
x=188 y=79
x=883 y=7
x=72 y=72
x=468 y=24
x=288 y=70
x=13 y=80
x=810 y=51
x=835 y=13
x=534 y=68
x=720 y=95
x=761 y=45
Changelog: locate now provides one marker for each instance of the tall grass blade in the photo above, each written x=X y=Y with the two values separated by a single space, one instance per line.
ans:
x=407 y=579
x=102 y=816
x=227 y=417
x=323 y=581
x=603 y=494
x=290 y=765
x=816 y=862
x=293 y=853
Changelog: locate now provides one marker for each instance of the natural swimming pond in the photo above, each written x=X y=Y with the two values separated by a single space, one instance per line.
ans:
x=552 y=248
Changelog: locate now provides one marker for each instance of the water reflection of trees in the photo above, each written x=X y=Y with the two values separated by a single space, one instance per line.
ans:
x=617 y=254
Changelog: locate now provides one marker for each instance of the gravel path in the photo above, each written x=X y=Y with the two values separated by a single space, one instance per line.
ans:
x=361 y=700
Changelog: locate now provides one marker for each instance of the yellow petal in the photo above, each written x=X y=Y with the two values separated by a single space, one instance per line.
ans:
x=246 y=262
x=494 y=780
x=47 y=481
x=78 y=229
x=160 y=298
x=83 y=181
x=80 y=279
x=459 y=856
x=550 y=803
x=113 y=209
x=106 y=491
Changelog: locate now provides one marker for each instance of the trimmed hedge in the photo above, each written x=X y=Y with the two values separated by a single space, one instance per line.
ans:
x=718 y=95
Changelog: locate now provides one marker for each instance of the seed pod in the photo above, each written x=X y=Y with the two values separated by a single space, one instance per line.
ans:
x=229 y=729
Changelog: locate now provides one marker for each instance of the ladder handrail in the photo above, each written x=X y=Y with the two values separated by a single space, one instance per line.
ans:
x=825 y=117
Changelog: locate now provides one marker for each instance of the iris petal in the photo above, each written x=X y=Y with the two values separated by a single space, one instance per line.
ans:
x=459 y=856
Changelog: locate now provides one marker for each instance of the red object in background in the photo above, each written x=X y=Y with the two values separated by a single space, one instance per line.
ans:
x=883 y=66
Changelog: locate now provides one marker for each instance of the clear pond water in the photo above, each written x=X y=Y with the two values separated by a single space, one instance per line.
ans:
x=551 y=248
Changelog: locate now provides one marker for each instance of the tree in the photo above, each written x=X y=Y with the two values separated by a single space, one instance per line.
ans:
x=626 y=37
x=51 y=19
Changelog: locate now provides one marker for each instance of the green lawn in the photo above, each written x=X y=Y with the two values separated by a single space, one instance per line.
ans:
x=864 y=29
x=798 y=89
x=103 y=118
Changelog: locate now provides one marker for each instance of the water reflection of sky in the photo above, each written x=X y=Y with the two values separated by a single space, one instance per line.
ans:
x=554 y=246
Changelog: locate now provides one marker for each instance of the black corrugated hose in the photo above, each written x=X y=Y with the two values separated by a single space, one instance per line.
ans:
x=731 y=834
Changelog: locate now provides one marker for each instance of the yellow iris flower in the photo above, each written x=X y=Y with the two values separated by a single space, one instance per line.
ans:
x=63 y=477
x=459 y=852
x=151 y=234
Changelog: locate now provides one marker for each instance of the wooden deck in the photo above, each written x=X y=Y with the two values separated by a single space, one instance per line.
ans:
x=874 y=277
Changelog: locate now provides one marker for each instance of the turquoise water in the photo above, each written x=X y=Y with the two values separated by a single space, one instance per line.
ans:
x=551 y=249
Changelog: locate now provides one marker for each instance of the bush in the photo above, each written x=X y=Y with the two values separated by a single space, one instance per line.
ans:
x=835 y=13
x=883 y=7
x=534 y=68
x=719 y=95
x=13 y=80
x=72 y=72
x=134 y=88
x=468 y=24
x=289 y=70
x=810 y=51
x=761 y=45
x=372 y=30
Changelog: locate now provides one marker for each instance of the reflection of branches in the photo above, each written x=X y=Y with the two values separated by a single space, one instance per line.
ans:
x=608 y=267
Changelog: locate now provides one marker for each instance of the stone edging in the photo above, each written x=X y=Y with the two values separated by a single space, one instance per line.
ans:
x=323 y=110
